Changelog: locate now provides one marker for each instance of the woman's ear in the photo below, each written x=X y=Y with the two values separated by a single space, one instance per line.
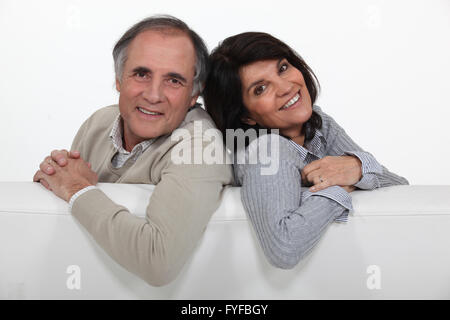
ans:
x=248 y=121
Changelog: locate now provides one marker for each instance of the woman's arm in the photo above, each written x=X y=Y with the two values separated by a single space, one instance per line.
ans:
x=288 y=220
x=374 y=175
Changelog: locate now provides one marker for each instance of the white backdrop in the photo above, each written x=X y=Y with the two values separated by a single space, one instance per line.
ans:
x=383 y=66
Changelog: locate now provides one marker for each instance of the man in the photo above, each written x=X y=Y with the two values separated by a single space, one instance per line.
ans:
x=160 y=67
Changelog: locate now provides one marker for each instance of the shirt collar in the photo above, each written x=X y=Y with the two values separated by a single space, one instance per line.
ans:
x=117 y=140
x=316 y=146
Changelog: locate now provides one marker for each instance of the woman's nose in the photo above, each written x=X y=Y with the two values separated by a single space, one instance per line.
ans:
x=284 y=87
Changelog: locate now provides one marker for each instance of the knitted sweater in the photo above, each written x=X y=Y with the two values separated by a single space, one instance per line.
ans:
x=186 y=195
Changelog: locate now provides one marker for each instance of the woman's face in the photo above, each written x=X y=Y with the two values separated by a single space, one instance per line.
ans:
x=275 y=95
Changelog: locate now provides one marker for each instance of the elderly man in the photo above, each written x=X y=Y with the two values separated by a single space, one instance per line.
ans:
x=160 y=67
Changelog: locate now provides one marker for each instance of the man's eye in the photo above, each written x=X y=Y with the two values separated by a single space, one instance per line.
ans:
x=142 y=74
x=174 y=82
x=259 y=89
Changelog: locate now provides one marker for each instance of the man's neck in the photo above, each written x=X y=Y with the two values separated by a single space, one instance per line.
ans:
x=127 y=142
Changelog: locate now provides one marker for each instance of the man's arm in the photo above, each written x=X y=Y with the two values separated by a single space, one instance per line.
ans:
x=156 y=248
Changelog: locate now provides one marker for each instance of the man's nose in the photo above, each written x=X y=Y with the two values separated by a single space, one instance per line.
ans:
x=153 y=92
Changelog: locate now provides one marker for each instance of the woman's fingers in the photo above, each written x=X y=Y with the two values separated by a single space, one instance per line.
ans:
x=313 y=166
x=320 y=183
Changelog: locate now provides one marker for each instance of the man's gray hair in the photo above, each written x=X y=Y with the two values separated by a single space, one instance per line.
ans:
x=164 y=22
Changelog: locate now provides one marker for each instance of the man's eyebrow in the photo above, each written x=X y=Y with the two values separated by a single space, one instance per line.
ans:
x=141 y=69
x=260 y=81
x=177 y=76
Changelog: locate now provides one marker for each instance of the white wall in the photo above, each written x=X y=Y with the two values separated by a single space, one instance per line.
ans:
x=383 y=65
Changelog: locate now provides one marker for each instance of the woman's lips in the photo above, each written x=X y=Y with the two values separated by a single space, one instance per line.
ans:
x=292 y=103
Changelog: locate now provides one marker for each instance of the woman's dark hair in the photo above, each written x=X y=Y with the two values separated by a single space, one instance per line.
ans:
x=223 y=89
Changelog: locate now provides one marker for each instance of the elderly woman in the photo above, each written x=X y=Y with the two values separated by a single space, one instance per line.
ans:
x=257 y=81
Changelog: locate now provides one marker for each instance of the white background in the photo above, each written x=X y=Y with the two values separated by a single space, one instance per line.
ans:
x=383 y=67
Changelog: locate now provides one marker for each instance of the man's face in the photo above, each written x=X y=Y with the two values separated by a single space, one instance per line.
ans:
x=156 y=86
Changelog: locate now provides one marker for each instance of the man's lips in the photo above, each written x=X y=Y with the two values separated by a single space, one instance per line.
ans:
x=149 y=111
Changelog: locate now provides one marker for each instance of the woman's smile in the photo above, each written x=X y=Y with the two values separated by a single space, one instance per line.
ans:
x=292 y=103
x=275 y=96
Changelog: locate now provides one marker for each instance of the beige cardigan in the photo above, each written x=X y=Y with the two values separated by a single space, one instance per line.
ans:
x=185 y=197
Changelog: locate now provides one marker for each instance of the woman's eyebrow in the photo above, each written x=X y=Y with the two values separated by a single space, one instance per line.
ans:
x=254 y=84
x=279 y=62
x=260 y=81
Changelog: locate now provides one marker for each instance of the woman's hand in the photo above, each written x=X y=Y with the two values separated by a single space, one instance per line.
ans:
x=330 y=171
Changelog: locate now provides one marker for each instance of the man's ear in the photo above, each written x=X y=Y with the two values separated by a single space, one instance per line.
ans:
x=193 y=100
x=117 y=85
x=248 y=120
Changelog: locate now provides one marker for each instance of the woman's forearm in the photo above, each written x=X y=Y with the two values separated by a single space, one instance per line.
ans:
x=287 y=236
x=288 y=221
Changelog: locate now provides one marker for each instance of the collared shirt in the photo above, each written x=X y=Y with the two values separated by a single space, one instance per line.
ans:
x=123 y=155
x=289 y=219
x=316 y=148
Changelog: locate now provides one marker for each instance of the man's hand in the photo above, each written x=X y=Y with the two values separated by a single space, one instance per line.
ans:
x=65 y=181
x=342 y=171
x=58 y=156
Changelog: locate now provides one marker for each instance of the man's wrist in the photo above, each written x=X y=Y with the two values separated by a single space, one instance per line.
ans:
x=78 y=194
x=75 y=188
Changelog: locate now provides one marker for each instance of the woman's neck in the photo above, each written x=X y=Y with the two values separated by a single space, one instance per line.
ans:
x=300 y=140
x=295 y=134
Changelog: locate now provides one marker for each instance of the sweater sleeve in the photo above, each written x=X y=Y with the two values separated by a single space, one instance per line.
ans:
x=374 y=175
x=288 y=221
x=157 y=246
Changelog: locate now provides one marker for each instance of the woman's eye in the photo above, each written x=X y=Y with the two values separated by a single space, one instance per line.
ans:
x=283 y=67
x=259 y=89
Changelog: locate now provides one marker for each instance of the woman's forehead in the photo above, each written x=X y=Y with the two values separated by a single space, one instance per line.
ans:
x=258 y=70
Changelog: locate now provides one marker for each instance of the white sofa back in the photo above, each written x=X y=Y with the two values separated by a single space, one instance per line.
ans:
x=395 y=246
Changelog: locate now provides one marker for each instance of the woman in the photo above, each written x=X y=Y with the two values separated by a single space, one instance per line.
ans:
x=256 y=81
